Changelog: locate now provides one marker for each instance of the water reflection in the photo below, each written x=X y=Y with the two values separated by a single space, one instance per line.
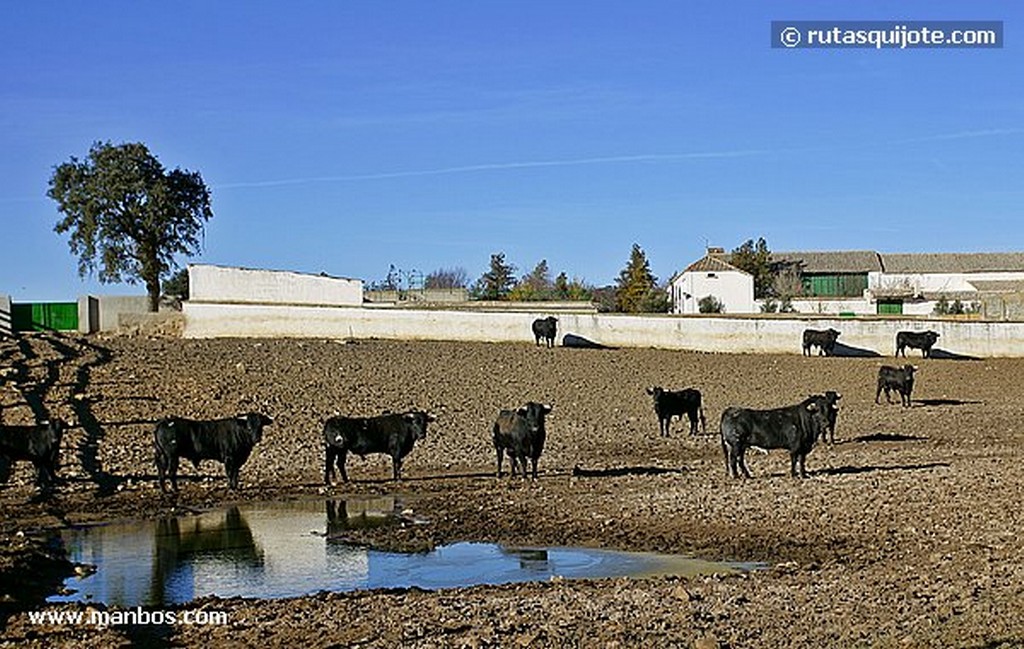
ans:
x=274 y=550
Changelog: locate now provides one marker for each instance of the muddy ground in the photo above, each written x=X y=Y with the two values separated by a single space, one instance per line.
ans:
x=904 y=535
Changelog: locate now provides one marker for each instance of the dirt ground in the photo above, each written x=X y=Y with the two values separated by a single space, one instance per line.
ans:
x=905 y=534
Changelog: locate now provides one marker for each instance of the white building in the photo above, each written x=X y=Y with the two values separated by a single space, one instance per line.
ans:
x=711 y=276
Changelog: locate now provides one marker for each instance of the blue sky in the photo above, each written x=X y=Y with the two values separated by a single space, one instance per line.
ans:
x=347 y=136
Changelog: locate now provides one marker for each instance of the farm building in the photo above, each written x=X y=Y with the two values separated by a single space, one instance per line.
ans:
x=863 y=282
x=713 y=276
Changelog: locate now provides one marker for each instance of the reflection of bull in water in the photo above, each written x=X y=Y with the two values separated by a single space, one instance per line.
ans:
x=223 y=536
x=530 y=560
x=363 y=513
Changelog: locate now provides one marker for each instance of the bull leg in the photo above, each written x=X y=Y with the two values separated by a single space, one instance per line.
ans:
x=329 y=465
x=342 y=456
x=533 y=460
x=501 y=456
x=160 y=469
x=396 y=467
x=796 y=460
x=703 y=422
x=741 y=460
x=232 y=472
x=730 y=459
x=172 y=470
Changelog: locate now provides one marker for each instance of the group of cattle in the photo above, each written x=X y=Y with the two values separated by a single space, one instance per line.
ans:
x=825 y=341
x=518 y=434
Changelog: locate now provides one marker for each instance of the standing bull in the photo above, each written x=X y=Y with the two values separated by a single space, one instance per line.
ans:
x=794 y=428
x=38 y=444
x=900 y=379
x=228 y=441
x=668 y=404
x=545 y=328
x=521 y=434
x=391 y=434
x=923 y=340
x=825 y=341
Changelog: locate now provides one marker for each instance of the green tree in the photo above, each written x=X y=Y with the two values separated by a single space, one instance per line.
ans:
x=127 y=215
x=710 y=304
x=636 y=289
x=496 y=283
x=534 y=286
x=755 y=258
x=176 y=286
x=574 y=290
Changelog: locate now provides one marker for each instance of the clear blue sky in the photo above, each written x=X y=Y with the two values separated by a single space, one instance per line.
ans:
x=347 y=136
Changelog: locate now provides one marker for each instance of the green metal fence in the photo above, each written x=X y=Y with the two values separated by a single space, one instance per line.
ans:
x=44 y=316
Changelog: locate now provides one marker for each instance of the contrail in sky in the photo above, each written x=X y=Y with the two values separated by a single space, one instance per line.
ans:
x=498 y=166
x=652 y=157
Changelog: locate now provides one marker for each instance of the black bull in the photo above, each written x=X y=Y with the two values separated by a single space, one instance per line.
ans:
x=228 y=441
x=794 y=428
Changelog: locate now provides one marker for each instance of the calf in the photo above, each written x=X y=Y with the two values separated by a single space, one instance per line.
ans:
x=794 y=428
x=391 y=434
x=900 y=379
x=923 y=340
x=38 y=444
x=228 y=441
x=545 y=328
x=521 y=434
x=668 y=404
x=825 y=341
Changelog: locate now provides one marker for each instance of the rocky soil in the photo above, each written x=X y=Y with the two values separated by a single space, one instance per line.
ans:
x=905 y=535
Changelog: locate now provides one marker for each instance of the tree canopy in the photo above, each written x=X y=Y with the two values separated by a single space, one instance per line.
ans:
x=128 y=217
x=755 y=258
x=636 y=287
x=496 y=283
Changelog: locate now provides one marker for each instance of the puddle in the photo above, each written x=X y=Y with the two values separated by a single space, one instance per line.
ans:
x=274 y=550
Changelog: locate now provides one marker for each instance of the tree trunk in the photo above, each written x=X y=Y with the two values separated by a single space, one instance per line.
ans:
x=153 y=289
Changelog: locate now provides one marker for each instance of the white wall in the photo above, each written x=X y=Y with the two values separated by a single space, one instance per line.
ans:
x=700 y=333
x=833 y=306
x=936 y=282
x=102 y=312
x=243 y=285
x=734 y=289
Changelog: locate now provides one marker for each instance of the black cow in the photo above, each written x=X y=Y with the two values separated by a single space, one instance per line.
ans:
x=825 y=341
x=668 y=404
x=832 y=408
x=923 y=340
x=38 y=444
x=228 y=441
x=393 y=434
x=545 y=328
x=794 y=428
x=521 y=434
x=900 y=379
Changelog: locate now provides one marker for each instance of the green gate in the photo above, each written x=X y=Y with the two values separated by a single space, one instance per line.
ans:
x=890 y=307
x=45 y=316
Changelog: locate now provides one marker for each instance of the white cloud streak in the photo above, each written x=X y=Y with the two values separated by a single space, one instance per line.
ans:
x=498 y=166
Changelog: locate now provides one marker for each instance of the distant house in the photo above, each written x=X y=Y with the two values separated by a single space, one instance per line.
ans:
x=863 y=282
x=712 y=276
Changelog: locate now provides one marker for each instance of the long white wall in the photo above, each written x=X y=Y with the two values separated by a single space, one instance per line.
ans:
x=245 y=285
x=699 y=333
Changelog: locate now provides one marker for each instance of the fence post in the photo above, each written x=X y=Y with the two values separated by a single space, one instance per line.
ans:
x=6 y=319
